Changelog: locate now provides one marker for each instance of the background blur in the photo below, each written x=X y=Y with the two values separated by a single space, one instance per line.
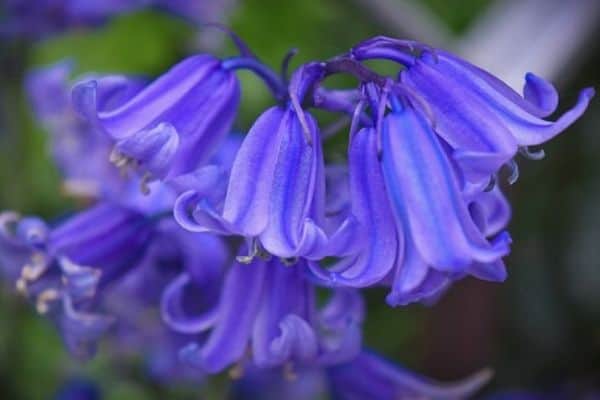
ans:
x=540 y=330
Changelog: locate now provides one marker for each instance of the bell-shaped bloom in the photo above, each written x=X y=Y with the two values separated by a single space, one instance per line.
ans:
x=172 y=125
x=420 y=230
x=425 y=193
x=276 y=189
x=413 y=280
x=270 y=308
x=483 y=120
x=369 y=376
x=63 y=269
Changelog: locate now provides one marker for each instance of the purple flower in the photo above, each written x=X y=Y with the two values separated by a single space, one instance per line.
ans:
x=270 y=308
x=171 y=126
x=421 y=230
x=482 y=119
x=276 y=189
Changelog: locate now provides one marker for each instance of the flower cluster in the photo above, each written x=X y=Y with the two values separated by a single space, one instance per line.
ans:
x=233 y=237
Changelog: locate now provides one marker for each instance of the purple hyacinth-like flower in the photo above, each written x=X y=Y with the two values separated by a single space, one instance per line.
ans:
x=483 y=120
x=172 y=125
x=270 y=308
x=63 y=269
x=421 y=229
x=369 y=376
x=276 y=191
x=427 y=199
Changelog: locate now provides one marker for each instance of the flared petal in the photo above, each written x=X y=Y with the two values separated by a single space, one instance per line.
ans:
x=189 y=303
x=490 y=211
x=426 y=196
x=297 y=341
x=286 y=302
x=371 y=377
x=529 y=130
x=153 y=148
x=340 y=326
x=539 y=96
x=173 y=309
x=521 y=115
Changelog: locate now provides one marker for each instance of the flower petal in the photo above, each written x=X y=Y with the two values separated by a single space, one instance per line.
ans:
x=239 y=305
x=426 y=196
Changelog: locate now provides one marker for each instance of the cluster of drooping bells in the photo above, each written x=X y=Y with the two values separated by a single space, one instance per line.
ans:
x=173 y=190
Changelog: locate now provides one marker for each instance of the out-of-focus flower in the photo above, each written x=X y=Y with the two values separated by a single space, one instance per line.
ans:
x=39 y=18
x=367 y=376
x=371 y=377
x=78 y=389
x=70 y=137
x=270 y=308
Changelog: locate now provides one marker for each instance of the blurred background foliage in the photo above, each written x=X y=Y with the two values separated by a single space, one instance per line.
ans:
x=539 y=330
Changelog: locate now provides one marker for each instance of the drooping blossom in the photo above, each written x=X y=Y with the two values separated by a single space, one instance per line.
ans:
x=268 y=310
x=482 y=119
x=172 y=125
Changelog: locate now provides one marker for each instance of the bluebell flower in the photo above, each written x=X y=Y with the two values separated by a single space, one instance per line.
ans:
x=276 y=191
x=62 y=269
x=483 y=120
x=420 y=229
x=172 y=125
x=269 y=309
